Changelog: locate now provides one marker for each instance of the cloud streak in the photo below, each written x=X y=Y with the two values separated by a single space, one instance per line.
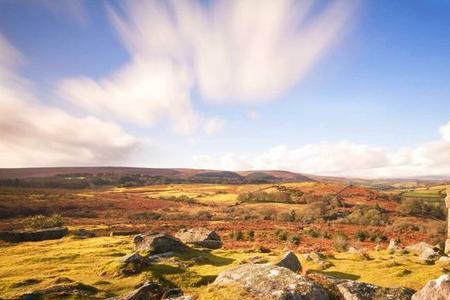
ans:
x=343 y=159
x=32 y=134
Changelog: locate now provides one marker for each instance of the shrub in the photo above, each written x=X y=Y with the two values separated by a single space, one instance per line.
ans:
x=378 y=237
x=281 y=234
x=361 y=235
x=268 y=213
x=237 y=235
x=295 y=240
x=250 y=235
x=203 y=215
x=368 y=215
x=42 y=222
x=312 y=232
x=340 y=242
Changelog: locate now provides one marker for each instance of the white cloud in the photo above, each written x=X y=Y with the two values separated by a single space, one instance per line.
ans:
x=214 y=125
x=253 y=115
x=32 y=134
x=445 y=132
x=342 y=159
x=227 y=50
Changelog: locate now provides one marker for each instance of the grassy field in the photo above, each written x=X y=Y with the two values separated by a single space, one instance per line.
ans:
x=33 y=266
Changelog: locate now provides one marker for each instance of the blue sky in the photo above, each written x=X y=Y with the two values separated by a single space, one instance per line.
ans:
x=358 y=88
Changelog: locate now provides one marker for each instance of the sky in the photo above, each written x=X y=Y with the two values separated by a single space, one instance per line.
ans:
x=341 y=88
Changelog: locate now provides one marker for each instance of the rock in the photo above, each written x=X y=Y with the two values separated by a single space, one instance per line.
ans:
x=132 y=258
x=354 y=290
x=354 y=250
x=156 y=257
x=290 y=261
x=158 y=243
x=444 y=259
x=377 y=247
x=254 y=260
x=438 y=289
x=200 y=237
x=318 y=258
x=393 y=245
x=271 y=282
x=148 y=291
x=123 y=232
x=429 y=256
x=420 y=247
x=359 y=253
x=63 y=291
x=263 y=249
x=84 y=233
x=344 y=289
x=33 y=236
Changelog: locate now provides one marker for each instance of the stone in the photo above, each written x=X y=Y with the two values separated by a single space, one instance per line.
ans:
x=420 y=247
x=33 y=236
x=84 y=233
x=290 y=261
x=271 y=282
x=429 y=256
x=444 y=259
x=123 y=232
x=63 y=291
x=158 y=243
x=377 y=247
x=393 y=245
x=354 y=290
x=438 y=289
x=200 y=237
x=318 y=258
x=148 y=291
x=132 y=258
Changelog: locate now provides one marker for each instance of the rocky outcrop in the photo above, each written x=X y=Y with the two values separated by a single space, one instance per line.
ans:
x=344 y=289
x=200 y=237
x=132 y=258
x=33 y=236
x=438 y=289
x=83 y=233
x=158 y=243
x=290 y=261
x=272 y=282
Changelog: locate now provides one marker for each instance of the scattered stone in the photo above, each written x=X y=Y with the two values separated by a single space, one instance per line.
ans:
x=420 y=247
x=377 y=247
x=132 y=258
x=393 y=245
x=444 y=259
x=200 y=237
x=318 y=258
x=354 y=290
x=290 y=261
x=63 y=291
x=271 y=282
x=353 y=250
x=359 y=253
x=429 y=256
x=123 y=232
x=33 y=236
x=148 y=291
x=158 y=243
x=84 y=233
x=438 y=289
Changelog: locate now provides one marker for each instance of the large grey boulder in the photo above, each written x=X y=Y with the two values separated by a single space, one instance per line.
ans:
x=158 y=243
x=200 y=237
x=344 y=289
x=290 y=261
x=438 y=289
x=148 y=291
x=272 y=282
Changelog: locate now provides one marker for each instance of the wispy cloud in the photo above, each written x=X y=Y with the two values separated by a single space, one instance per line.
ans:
x=227 y=50
x=70 y=9
x=32 y=134
x=344 y=159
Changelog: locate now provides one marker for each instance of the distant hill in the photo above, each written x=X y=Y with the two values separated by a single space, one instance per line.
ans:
x=83 y=177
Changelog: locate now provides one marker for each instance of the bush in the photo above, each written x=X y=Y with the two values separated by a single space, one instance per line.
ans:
x=422 y=208
x=43 y=222
x=295 y=240
x=250 y=235
x=203 y=215
x=340 y=242
x=378 y=237
x=287 y=216
x=362 y=235
x=237 y=235
x=368 y=215
x=281 y=234
x=312 y=232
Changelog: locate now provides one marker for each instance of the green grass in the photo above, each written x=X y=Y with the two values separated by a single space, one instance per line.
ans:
x=32 y=266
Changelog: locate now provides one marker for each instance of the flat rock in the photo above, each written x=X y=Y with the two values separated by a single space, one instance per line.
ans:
x=290 y=261
x=438 y=289
x=200 y=237
x=272 y=282
x=158 y=243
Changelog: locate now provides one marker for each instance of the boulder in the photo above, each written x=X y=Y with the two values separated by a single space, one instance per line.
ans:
x=438 y=289
x=271 y=282
x=290 y=261
x=429 y=256
x=148 y=291
x=393 y=245
x=200 y=237
x=444 y=259
x=158 y=243
x=33 y=236
x=354 y=290
x=123 y=232
x=74 y=290
x=420 y=247
x=84 y=233
x=344 y=289
x=132 y=258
